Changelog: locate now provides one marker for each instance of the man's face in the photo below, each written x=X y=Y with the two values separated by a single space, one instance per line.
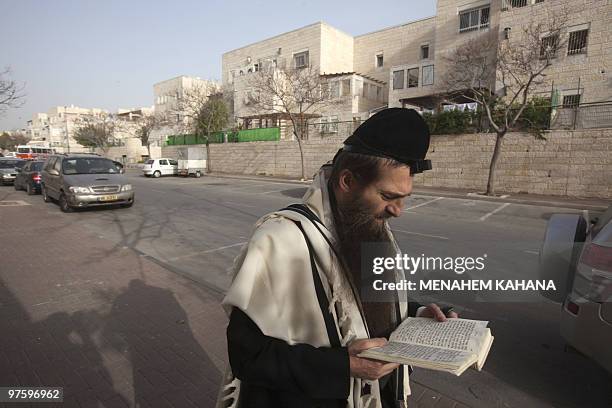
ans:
x=365 y=208
x=362 y=211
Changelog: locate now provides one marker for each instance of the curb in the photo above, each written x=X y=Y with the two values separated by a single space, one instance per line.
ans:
x=545 y=201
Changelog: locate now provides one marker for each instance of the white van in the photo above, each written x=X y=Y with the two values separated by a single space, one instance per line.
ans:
x=160 y=167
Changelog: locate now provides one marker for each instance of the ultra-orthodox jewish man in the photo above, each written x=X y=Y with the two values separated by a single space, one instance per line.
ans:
x=297 y=322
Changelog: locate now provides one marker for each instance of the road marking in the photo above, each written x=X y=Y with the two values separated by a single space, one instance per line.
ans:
x=274 y=191
x=242 y=204
x=158 y=191
x=420 y=234
x=206 y=252
x=532 y=252
x=16 y=203
x=422 y=204
x=498 y=209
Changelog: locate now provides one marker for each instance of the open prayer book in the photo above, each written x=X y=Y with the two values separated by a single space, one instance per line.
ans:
x=453 y=345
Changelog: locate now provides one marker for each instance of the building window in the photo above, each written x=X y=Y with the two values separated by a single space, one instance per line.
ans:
x=474 y=19
x=379 y=60
x=428 y=75
x=413 y=78
x=398 y=79
x=424 y=51
x=519 y=3
x=366 y=87
x=577 y=43
x=334 y=89
x=379 y=93
x=256 y=67
x=346 y=87
x=571 y=101
x=300 y=60
x=548 y=49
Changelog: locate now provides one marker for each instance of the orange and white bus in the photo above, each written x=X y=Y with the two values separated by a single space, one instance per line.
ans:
x=33 y=152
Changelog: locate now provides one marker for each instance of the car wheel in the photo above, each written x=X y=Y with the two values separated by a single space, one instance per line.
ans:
x=157 y=174
x=198 y=174
x=29 y=189
x=45 y=196
x=63 y=203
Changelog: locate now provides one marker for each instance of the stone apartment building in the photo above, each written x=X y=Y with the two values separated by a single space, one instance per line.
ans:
x=402 y=65
x=56 y=127
x=168 y=96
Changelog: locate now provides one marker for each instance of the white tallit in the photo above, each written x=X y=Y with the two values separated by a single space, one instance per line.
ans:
x=273 y=285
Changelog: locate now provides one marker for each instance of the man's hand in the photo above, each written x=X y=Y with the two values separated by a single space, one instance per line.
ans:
x=432 y=310
x=364 y=367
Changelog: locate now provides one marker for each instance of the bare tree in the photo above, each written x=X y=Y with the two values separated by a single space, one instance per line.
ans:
x=296 y=93
x=99 y=132
x=11 y=141
x=146 y=125
x=195 y=113
x=501 y=75
x=212 y=118
x=11 y=93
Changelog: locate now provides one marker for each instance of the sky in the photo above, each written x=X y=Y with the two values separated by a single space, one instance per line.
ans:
x=108 y=54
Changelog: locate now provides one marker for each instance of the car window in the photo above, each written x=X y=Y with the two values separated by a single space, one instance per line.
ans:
x=49 y=163
x=174 y=162
x=20 y=164
x=163 y=162
x=36 y=166
x=58 y=165
x=150 y=161
x=8 y=164
x=89 y=165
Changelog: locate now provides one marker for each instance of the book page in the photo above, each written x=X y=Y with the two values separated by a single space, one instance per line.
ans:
x=455 y=334
x=411 y=352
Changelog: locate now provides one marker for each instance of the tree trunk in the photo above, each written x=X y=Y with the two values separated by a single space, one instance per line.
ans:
x=208 y=168
x=493 y=165
x=299 y=140
x=149 y=149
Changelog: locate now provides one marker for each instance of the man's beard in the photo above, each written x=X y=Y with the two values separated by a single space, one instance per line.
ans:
x=357 y=224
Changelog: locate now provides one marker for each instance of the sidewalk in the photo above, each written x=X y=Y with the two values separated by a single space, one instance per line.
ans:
x=597 y=204
x=110 y=326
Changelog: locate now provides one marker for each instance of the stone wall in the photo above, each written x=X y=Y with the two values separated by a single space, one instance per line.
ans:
x=569 y=163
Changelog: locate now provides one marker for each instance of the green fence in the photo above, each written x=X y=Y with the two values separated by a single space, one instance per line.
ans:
x=249 y=135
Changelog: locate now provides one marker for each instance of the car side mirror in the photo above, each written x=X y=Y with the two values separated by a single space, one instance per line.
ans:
x=54 y=172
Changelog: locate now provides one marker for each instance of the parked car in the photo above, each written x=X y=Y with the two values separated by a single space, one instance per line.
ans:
x=8 y=169
x=28 y=178
x=81 y=180
x=579 y=260
x=160 y=167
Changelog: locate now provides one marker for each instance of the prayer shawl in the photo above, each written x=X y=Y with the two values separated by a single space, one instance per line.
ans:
x=273 y=284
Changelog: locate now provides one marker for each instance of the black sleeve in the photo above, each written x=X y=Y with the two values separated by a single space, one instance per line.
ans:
x=260 y=360
x=412 y=308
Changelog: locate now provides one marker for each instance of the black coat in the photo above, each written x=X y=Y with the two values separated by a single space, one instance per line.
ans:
x=275 y=374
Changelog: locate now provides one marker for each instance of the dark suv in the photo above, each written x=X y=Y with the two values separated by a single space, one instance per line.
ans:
x=84 y=180
x=28 y=177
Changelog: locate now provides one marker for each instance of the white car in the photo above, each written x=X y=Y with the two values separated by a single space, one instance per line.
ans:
x=579 y=260
x=160 y=167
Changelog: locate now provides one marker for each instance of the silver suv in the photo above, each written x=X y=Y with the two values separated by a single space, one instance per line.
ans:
x=84 y=180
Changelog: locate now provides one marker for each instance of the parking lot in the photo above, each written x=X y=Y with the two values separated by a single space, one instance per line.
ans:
x=195 y=227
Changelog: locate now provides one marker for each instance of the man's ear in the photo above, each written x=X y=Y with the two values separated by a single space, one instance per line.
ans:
x=346 y=181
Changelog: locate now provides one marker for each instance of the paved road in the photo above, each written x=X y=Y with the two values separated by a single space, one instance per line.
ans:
x=195 y=227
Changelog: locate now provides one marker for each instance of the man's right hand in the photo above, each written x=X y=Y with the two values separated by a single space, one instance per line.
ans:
x=364 y=367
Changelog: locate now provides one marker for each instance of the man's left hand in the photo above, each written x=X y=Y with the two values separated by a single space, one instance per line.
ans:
x=433 y=311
